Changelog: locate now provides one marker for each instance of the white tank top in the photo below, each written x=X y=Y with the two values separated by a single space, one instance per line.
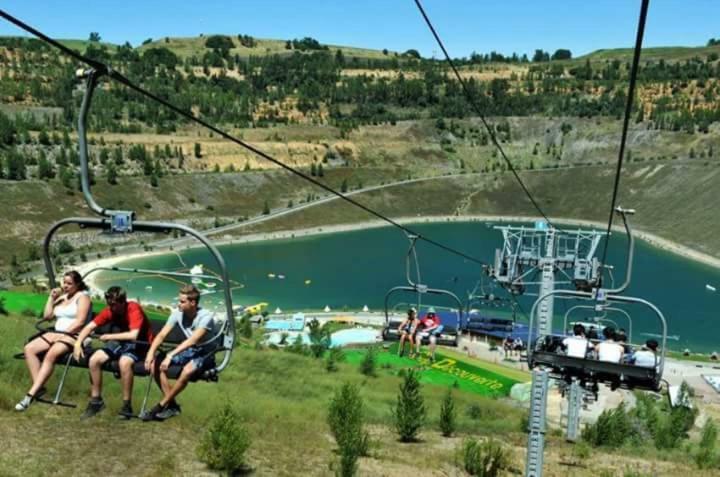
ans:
x=66 y=313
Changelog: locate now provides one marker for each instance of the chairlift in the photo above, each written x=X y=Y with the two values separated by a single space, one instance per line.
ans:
x=543 y=352
x=451 y=331
x=597 y=318
x=124 y=222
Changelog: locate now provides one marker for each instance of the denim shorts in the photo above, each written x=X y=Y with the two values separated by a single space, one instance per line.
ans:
x=134 y=351
x=192 y=355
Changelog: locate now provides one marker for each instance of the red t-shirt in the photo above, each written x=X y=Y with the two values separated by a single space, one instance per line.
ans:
x=431 y=321
x=133 y=319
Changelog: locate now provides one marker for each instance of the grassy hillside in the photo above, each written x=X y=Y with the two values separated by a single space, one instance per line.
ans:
x=186 y=47
x=667 y=53
x=282 y=399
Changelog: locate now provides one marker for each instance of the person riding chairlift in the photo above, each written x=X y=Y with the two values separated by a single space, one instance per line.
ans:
x=577 y=346
x=432 y=328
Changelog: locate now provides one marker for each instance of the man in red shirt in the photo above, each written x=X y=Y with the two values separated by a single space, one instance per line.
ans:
x=127 y=345
x=430 y=326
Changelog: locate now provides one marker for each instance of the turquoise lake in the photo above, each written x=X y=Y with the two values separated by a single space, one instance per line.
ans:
x=348 y=270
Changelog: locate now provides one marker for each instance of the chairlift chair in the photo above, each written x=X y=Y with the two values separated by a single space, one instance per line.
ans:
x=123 y=222
x=451 y=331
x=543 y=350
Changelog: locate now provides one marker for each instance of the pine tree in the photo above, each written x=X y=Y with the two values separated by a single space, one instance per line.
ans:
x=111 y=173
x=409 y=413
x=447 y=415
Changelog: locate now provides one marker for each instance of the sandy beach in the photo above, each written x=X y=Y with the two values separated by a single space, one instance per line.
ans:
x=652 y=239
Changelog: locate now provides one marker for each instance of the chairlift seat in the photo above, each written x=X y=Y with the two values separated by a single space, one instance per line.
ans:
x=626 y=376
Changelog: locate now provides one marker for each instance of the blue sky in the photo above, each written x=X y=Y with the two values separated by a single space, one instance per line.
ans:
x=505 y=26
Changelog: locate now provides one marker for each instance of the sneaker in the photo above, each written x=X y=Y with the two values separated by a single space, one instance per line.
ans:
x=172 y=410
x=24 y=403
x=126 y=412
x=152 y=414
x=93 y=408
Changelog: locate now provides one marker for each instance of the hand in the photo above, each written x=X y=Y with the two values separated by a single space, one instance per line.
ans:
x=149 y=361
x=104 y=338
x=166 y=363
x=55 y=293
x=78 y=352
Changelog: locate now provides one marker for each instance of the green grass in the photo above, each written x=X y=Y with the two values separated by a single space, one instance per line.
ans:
x=281 y=397
x=446 y=371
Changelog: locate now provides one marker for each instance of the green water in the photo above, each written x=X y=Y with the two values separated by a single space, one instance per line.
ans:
x=352 y=269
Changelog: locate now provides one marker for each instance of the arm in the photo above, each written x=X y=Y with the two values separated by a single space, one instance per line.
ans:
x=77 y=347
x=83 y=309
x=191 y=341
x=402 y=325
x=49 y=310
x=150 y=356
x=130 y=335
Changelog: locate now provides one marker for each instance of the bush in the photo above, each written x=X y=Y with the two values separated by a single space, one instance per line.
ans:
x=409 y=414
x=367 y=366
x=706 y=456
x=3 y=310
x=335 y=355
x=486 y=459
x=612 y=429
x=447 y=415
x=297 y=346
x=319 y=338
x=345 y=418
x=246 y=327
x=225 y=441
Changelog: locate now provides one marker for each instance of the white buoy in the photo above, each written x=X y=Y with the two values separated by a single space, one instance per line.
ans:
x=710 y=287
x=326 y=309
x=366 y=309
x=278 y=311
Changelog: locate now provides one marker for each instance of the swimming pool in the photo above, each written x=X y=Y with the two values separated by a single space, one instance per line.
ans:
x=353 y=336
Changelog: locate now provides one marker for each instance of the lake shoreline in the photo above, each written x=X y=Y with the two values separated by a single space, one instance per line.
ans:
x=651 y=239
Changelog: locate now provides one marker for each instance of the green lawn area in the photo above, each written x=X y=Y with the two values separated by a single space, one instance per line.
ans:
x=447 y=371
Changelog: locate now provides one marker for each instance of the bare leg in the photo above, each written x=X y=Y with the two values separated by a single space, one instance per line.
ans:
x=180 y=384
x=433 y=343
x=95 y=366
x=47 y=366
x=31 y=352
x=401 y=347
x=164 y=383
x=126 y=376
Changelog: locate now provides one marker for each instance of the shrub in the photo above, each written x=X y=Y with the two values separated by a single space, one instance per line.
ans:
x=612 y=429
x=447 y=415
x=335 y=355
x=475 y=412
x=3 y=310
x=225 y=441
x=297 y=346
x=367 y=366
x=706 y=456
x=246 y=327
x=345 y=418
x=484 y=459
x=409 y=413
x=319 y=338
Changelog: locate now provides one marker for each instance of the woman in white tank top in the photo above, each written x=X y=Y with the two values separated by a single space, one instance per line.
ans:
x=70 y=307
